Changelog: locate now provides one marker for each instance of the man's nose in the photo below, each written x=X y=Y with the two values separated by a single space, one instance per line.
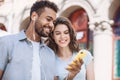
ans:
x=51 y=25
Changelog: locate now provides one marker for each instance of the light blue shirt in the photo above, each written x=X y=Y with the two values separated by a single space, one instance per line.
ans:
x=61 y=65
x=16 y=54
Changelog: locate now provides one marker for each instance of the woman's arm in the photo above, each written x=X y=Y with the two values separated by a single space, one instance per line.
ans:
x=90 y=71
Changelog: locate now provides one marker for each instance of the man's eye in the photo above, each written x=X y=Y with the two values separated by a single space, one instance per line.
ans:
x=48 y=19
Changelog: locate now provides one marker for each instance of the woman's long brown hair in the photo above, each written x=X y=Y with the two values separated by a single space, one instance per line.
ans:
x=73 y=45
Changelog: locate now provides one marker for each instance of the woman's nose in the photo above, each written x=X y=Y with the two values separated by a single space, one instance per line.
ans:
x=62 y=35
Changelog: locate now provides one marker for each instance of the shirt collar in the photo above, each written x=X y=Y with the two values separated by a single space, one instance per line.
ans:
x=22 y=36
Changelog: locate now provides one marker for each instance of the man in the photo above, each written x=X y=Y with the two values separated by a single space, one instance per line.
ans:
x=24 y=56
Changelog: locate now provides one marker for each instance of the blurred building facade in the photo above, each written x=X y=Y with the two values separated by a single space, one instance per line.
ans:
x=97 y=23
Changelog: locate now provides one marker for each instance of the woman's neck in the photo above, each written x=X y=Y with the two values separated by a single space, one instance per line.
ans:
x=64 y=53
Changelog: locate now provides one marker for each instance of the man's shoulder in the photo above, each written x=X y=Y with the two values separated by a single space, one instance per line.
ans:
x=9 y=37
x=3 y=33
x=49 y=49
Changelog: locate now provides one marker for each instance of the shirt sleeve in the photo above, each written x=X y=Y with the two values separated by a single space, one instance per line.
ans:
x=3 y=53
x=88 y=58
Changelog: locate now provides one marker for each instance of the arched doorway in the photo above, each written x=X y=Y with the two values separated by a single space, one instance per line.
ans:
x=79 y=19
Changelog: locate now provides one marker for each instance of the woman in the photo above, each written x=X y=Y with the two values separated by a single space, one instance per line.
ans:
x=63 y=42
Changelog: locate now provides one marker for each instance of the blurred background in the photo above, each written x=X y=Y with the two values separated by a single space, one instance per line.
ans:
x=97 y=23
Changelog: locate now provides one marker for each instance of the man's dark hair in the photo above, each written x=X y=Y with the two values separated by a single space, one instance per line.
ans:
x=39 y=6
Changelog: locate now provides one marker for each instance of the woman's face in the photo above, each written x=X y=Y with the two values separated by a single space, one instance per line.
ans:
x=61 y=35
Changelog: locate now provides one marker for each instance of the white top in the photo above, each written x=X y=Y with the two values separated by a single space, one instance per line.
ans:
x=62 y=65
x=36 y=70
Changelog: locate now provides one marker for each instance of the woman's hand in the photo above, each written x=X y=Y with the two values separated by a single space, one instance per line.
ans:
x=75 y=69
x=1 y=73
x=56 y=78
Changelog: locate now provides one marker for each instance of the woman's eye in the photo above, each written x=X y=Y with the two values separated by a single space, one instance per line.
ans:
x=67 y=32
x=57 y=33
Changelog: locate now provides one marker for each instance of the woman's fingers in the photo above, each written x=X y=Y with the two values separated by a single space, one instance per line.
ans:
x=76 y=66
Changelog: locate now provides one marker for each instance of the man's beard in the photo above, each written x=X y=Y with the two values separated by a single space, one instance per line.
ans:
x=41 y=32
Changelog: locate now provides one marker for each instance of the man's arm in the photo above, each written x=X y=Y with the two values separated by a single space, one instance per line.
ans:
x=3 y=55
x=1 y=73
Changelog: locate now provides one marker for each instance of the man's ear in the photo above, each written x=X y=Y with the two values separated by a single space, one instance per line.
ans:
x=34 y=16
